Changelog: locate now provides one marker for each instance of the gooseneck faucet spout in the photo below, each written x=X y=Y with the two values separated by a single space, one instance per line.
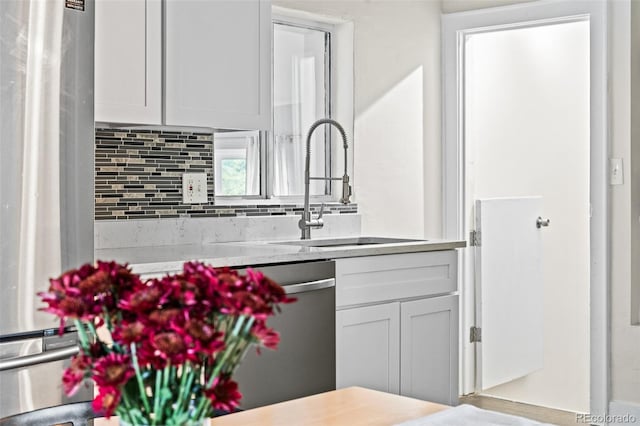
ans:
x=306 y=222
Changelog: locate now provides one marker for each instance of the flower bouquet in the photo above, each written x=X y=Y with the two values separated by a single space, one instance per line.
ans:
x=162 y=351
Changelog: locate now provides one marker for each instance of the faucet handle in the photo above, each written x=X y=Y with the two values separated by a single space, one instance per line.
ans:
x=321 y=211
x=346 y=190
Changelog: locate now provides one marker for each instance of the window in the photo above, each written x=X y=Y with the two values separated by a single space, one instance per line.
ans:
x=237 y=164
x=271 y=164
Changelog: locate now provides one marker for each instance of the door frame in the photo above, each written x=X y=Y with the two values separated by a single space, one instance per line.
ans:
x=454 y=27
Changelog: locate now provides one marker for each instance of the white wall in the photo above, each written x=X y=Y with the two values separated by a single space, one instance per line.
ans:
x=634 y=184
x=625 y=338
x=397 y=180
x=527 y=134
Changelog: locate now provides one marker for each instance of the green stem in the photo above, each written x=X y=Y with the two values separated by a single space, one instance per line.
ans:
x=183 y=376
x=156 y=397
x=167 y=393
x=235 y=342
x=82 y=334
x=92 y=329
x=141 y=388
x=242 y=346
x=238 y=326
x=167 y=373
x=185 y=393
x=205 y=402
x=183 y=384
x=130 y=411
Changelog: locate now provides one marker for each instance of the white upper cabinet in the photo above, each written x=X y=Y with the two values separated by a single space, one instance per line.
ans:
x=218 y=63
x=128 y=61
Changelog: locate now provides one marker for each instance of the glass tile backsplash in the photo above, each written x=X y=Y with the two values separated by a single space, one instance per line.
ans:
x=138 y=174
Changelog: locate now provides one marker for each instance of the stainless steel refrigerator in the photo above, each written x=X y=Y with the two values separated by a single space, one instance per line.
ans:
x=46 y=186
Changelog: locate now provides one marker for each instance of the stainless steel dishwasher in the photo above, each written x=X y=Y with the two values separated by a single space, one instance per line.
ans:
x=305 y=361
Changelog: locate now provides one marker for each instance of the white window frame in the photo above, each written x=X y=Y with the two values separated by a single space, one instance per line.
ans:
x=231 y=148
x=329 y=78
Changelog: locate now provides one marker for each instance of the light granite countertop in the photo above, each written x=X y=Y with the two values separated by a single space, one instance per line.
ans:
x=160 y=259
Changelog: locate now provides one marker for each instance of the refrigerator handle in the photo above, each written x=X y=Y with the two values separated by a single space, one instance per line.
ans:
x=43 y=357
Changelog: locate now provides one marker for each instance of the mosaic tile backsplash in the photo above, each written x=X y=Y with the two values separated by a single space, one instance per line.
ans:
x=139 y=175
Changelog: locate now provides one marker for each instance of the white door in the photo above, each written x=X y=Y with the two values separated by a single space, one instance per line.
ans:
x=509 y=289
x=524 y=149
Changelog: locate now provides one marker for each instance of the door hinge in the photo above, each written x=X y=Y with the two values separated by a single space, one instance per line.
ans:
x=475 y=335
x=474 y=238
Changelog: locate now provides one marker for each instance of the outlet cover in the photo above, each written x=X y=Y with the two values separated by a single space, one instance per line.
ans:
x=616 y=171
x=194 y=188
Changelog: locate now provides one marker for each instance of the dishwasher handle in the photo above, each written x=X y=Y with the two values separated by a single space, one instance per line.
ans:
x=309 y=286
x=40 y=358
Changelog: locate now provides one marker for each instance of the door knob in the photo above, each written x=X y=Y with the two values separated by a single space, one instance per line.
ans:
x=542 y=222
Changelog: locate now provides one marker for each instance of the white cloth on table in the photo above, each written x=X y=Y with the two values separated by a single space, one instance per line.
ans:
x=468 y=415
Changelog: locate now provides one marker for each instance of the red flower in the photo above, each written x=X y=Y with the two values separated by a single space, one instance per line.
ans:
x=113 y=370
x=247 y=303
x=201 y=330
x=95 y=283
x=74 y=375
x=268 y=289
x=83 y=293
x=224 y=394
x=163 y=317
x=143 y=299
x=120 y=275
x=170 y=347
x=178 y=320
x=64 y=298
x=106 y=401
x=128 y=333
x=204 y=337
x=268 y=337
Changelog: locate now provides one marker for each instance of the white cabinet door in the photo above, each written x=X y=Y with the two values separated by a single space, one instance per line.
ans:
x=368 y=347
x=509 y=289
x=218 y=63
x=429 y=349
x=128 y=61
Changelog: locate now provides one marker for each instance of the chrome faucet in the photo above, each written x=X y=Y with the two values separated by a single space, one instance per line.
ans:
x=306 y=222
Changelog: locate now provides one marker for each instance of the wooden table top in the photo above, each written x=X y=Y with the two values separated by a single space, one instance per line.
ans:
x=354 y=406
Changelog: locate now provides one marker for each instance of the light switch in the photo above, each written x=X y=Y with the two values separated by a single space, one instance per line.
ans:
x=194 y=188
x=616 y=170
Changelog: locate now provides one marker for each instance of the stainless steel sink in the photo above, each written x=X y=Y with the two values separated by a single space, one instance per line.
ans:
x=347 y=241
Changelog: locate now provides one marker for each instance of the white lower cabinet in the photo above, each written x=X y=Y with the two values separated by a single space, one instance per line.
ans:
x=407 y=346
x=368 y=347
x=429 y=349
